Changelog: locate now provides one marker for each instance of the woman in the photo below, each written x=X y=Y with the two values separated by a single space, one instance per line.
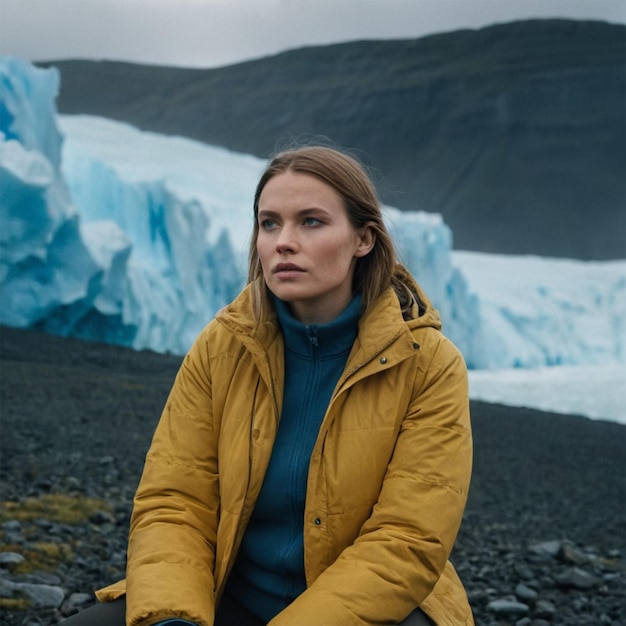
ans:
x=312 y=462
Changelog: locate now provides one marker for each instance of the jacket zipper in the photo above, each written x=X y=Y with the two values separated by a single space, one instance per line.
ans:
x=241 y=528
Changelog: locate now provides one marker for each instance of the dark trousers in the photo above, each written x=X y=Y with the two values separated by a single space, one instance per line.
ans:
x=229 y=613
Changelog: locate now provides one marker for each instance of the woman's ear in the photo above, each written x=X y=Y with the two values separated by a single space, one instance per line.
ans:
x=367 y=239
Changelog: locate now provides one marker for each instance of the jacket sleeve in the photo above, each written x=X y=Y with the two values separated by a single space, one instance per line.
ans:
x=403 y=548
x=173 y=527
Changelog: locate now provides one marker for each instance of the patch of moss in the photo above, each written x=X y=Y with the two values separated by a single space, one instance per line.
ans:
x=55 y=507
x=14 y=604
x=41 y=556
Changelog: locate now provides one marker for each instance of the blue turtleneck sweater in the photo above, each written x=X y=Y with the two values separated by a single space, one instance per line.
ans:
x=269 y=571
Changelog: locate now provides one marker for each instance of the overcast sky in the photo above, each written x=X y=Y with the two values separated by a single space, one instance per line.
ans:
x=210 y=33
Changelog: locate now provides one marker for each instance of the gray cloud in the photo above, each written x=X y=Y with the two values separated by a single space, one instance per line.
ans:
x=209 y=33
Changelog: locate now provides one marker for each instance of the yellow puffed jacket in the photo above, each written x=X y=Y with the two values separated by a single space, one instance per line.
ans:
x=387 y=483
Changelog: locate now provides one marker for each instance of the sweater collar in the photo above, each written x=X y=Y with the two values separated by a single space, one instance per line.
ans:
x=334 y=337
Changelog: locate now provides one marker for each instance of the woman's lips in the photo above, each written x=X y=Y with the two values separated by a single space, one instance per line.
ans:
x=286 y=270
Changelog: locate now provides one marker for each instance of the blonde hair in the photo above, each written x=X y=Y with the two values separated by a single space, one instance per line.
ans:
x=375 y=272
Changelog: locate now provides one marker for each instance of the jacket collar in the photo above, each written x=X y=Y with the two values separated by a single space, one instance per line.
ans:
x=379 y=326
x=332 y=338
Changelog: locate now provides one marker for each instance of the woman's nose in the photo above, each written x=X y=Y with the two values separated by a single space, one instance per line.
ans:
x=286 y=241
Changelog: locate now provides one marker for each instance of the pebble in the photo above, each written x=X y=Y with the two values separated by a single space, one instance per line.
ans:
x=102 y=517
x=77 y=601
x=549 y=583
x=523 y=571
x=10 y=558
x=40 y=596
x=43 y=578
x=11 y=526
x=523 y=592
x=577 y=578
x=546 y=548
x=508 y=606
x=544 y=609
x=573 y=555
x=72 y=483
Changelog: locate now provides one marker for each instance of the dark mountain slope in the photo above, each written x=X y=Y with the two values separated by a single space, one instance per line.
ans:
x=516 y=133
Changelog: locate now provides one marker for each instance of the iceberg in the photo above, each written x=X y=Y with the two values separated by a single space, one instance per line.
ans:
x=98 y=255
x=187 y=210
x=45 y=265
x=180 y=265
x=128 y=237
x=547 y=312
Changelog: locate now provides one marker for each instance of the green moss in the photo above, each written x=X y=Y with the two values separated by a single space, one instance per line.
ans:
x=58 y=508
x=55 y=507
x=14 y=604
x=42 y=556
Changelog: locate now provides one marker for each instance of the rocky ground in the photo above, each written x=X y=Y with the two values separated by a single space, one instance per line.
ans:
x=543 y=541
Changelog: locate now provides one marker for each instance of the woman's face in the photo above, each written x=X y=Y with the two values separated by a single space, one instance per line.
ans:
x=307 y=246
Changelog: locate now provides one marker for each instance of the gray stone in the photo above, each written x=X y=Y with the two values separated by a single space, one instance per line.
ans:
x=44 y=596
x=523 y=571
x=508 y=606
x=77 y=601
x=544 y=609
x=72 y=483
x=546 y=548
x=12 y=526
x=40 y=596
x=10 y=558
x=44 y=524
x=101 y=517
x=42 y=578
x=14 y=538
x=571 y=554
x=524 y=592
x=7 y=589
x=577 y=578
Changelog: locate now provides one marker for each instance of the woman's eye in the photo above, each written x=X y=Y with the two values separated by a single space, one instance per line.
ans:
x=268 y=224
x=311 y=221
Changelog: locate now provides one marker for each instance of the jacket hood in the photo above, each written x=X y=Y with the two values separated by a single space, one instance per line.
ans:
x=421 y=313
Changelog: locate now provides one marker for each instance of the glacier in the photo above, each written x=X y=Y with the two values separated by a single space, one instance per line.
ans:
x=113 y=234
x=44 y=262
